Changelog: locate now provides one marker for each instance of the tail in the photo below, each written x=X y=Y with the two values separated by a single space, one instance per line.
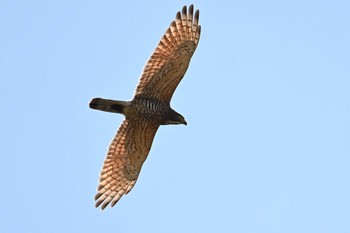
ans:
x=114 y=106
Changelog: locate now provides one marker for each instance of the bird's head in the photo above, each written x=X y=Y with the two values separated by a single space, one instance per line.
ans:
x=181 y=120
x=173 y=118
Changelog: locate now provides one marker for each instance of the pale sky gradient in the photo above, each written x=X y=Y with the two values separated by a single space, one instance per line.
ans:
x=266 y=98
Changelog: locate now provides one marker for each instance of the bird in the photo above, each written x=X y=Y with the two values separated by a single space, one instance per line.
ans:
x=149 y=108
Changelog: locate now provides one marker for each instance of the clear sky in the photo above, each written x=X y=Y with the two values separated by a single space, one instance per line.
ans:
x=266 y=98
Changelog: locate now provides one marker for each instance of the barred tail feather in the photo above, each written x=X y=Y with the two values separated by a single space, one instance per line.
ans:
x=106 y=105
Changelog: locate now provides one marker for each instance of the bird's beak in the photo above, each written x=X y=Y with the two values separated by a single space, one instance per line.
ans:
x=184 y=122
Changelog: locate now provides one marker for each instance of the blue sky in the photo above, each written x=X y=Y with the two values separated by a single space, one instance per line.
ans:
x=266 y=99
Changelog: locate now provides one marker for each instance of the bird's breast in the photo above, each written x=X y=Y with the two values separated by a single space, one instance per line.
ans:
x=146 y=109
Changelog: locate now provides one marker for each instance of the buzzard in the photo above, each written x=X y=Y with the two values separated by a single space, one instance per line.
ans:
x=149 y=108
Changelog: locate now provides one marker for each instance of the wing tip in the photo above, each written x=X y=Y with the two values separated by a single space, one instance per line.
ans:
x=190 y=9
x=103 y=202
x=184 y=10
x=178 y=15
x=196 y=17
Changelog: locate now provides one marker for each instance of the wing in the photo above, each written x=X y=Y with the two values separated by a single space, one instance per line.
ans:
x=169 y=61
x=126 y=154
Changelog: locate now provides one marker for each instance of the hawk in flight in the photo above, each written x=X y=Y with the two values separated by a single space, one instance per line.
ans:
x=149 y=108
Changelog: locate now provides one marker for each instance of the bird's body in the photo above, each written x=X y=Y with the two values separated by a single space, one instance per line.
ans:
x=149 y=108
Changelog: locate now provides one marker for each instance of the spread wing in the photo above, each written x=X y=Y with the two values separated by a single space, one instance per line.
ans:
x=169 y=61
x=126 y=154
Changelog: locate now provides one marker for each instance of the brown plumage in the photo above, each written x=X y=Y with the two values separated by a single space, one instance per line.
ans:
x=149 y=108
